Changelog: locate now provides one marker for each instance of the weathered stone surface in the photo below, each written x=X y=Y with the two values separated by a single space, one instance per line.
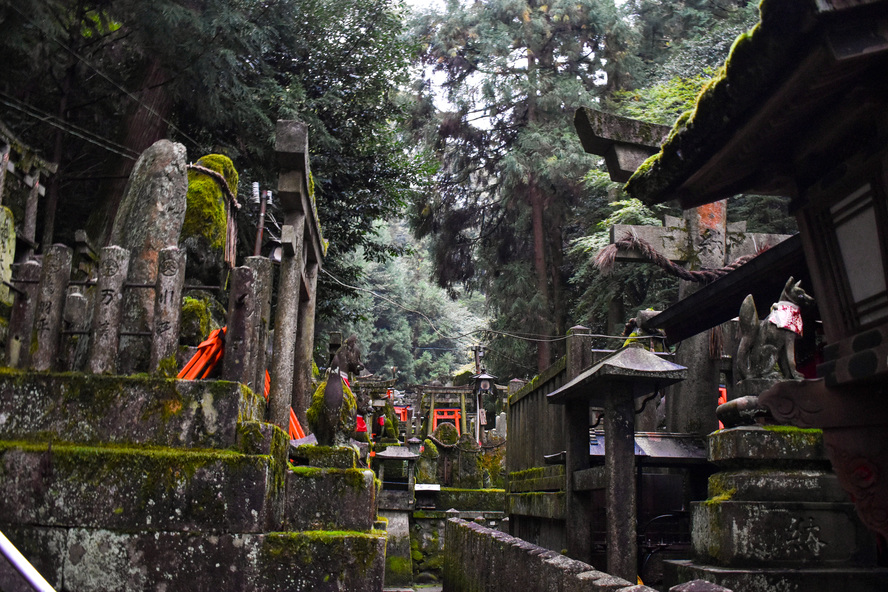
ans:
x=262 y=273
x=330 y=499
x=539 y=504
x=167 y=308
x=330 y=457
x=286 y=323
x=21 y=318
x=76 y=321
x=598 y=581
x=469 y=474
x=814 y=579
x=108 y=409
x=7 y=250
x=101 y=560
x=787 y=485
x=105 y=338
x=698 y=586
x=238 y=364
x=206 y=220
x=774 y=534
x=478 y=500
x=45 y=336
x=776 y=446
x=149 y=218
x=136 y=488
x=398 y=561
x=478 y=558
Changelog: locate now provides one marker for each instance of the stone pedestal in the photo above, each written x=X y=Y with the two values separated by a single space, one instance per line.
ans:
x=777 y=518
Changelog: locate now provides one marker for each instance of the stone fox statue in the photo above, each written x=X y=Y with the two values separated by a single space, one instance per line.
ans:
x=766 y=344
x=333 y=409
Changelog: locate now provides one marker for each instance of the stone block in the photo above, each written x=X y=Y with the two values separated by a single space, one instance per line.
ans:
x=330 y=457
x=102 y=560
x=398 y=561
x=598 y=581
x=91 y=409
x=813 y=579
x=136 y=488
x=541 y=505
x=776 y=446
x=330 y=499
x=789 y=534
x=778 y=485
x=479 y=500
x=698 y=586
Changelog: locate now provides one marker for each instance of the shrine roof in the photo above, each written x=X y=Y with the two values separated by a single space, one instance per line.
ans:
x=790 y=90
x=719 y=302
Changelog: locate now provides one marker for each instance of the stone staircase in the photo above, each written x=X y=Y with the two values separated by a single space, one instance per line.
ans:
x=138 y=483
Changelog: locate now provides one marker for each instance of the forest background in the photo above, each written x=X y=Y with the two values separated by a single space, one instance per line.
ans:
x=458 y=203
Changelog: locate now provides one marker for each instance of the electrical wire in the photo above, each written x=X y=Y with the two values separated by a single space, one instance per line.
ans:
x=474 y=331
x=108 y=78
x=67 y=127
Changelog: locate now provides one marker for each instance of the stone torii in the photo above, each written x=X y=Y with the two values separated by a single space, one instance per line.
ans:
x=702 y=238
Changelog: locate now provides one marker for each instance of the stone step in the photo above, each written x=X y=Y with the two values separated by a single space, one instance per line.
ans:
x=326 y=499
x=90 y=560
x=777 y=485
x=779 y=534
x=139 y=488
x=771 y=446
x=811 y=579
x=90 y=409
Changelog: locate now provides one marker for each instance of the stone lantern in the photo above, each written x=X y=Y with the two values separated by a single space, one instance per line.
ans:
x=614 y=383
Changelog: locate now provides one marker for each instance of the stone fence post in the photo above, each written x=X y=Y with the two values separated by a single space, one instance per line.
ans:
x=21 y=320
x=50 y=304
x=167 y=305
x=105 y=334
x=240 y=355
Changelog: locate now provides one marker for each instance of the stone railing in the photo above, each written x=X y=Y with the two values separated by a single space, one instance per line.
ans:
x=479 y=558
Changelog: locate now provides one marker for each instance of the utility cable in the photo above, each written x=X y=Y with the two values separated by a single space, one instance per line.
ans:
x=108 y=78
x=67 y=127
x=474 y=331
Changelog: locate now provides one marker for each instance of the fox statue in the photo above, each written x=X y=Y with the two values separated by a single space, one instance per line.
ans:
x=333 y=411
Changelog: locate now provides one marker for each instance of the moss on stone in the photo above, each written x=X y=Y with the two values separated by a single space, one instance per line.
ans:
x=347 y=412
x=429 y=450
x=168 y=367
x=725 y=496
x=205 y=214
x=196 y=320
x=398 y=569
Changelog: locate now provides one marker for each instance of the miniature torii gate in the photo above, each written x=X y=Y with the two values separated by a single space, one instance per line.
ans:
x=702 y=238
x=302 y=253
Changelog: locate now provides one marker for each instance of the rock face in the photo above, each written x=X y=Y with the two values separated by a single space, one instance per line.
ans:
x=206 y=220
x=142 y=483
x=149 y=219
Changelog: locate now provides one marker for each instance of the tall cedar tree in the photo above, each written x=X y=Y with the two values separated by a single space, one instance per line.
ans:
x=514 y=72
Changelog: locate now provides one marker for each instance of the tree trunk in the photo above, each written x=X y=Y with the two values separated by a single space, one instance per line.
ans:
x=535 y=196
x=144 y=127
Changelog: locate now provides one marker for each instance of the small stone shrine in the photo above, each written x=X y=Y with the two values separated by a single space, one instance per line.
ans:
x=777 y=518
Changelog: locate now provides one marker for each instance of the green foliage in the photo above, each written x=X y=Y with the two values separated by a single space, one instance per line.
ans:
x=216 y=76
x=408 y=323
x=661 y=103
